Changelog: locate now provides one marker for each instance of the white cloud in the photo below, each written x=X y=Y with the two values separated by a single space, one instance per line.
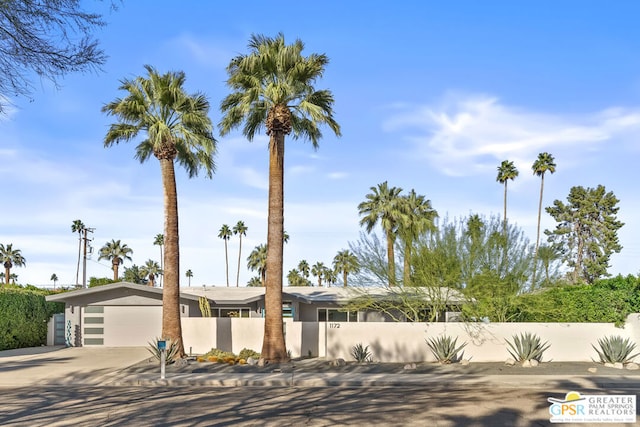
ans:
x=465 y=136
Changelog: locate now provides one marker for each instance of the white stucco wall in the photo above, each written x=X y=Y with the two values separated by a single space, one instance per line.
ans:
x=404 y=342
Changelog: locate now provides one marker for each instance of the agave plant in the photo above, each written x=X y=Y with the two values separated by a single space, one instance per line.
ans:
x=361 y=353
x=614 y=349
x=170 y=353
x=527 y=346
x=445 y=349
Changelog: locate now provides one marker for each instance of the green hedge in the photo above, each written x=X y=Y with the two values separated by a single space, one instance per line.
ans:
x=24 y=315
x=606 y=301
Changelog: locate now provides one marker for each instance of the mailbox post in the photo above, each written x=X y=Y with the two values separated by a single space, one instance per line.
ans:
x=162 y=346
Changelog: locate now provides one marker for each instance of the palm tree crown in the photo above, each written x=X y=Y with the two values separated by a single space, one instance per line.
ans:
x=10 y=258
x=151 y=269
x=117 y=253
x=346 y=262
x=257 y=261
x=273 y=87
x=506 y=171
x=177 y=128
x=318 y=270
x=383 y=205
x=225 y=234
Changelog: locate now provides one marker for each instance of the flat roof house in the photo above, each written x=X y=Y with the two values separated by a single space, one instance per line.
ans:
x=128 y=314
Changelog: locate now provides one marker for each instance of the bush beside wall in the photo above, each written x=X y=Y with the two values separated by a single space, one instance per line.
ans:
x=23 y=318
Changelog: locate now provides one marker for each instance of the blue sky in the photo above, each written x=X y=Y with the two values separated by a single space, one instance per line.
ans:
x=430 y=96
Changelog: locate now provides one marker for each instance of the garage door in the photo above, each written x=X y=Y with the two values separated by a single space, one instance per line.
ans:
x=131 y=326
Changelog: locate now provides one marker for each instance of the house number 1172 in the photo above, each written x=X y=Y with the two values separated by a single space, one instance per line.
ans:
x=334 y=325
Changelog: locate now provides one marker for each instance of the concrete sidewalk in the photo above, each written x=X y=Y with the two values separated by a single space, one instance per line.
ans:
x=121 y=367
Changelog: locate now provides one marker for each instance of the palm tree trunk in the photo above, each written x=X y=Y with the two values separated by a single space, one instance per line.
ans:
x=79 y=253
x=344 y=278
x=7 y=272
x=273 y=346
x=239 y=258
x=171 y=325
x=392 y=260
x=114 y=267
x=535 y=254
x=226 y=260
x=504 y=217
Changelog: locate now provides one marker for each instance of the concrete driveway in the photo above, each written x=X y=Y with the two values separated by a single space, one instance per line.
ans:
x=60 y=365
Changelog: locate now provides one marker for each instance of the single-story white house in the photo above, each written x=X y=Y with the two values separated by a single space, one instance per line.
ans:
x=128 y=314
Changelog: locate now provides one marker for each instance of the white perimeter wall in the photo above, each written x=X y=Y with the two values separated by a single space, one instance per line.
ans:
x=403 y=342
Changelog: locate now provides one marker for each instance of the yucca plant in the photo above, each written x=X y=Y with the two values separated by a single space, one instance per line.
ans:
x=615 y=349
x=445 y=349
x=361 y=353
x=170 y=353
x=527 y=346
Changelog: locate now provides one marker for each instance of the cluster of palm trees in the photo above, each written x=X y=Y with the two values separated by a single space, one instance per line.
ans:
x=225 y=233
x=401 y=216
x=344 y=263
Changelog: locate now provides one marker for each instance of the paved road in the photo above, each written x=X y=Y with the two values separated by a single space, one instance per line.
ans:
x=267 y=406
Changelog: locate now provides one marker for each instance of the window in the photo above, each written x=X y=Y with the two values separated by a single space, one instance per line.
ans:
x=336 y=315
x=230 y=312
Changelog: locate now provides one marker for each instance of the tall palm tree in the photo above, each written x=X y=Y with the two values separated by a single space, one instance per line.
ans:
x=241 y=230
x=417 y=217
x=10 y=258
x=117 y=253
x=345 y=262
x=225 y=234
x=303 y=267
x=257 y=261
x=151 y=269
x=77 y=226
x=273 y=86
x=177 y=129
x=54 y=279
x=317 y=270
x=506 y=171
x=159 y=241
x=383 y=204
x=543 y=164
x=189 y=275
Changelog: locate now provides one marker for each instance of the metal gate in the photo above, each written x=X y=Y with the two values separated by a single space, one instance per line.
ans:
x=58 y=329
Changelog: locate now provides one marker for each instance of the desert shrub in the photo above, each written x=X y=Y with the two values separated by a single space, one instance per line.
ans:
x=171 y=350
x=615 y=349
x=246 y=353
x=445 y=349
x=527 y=346
x=361 y=353
x=220 y=354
